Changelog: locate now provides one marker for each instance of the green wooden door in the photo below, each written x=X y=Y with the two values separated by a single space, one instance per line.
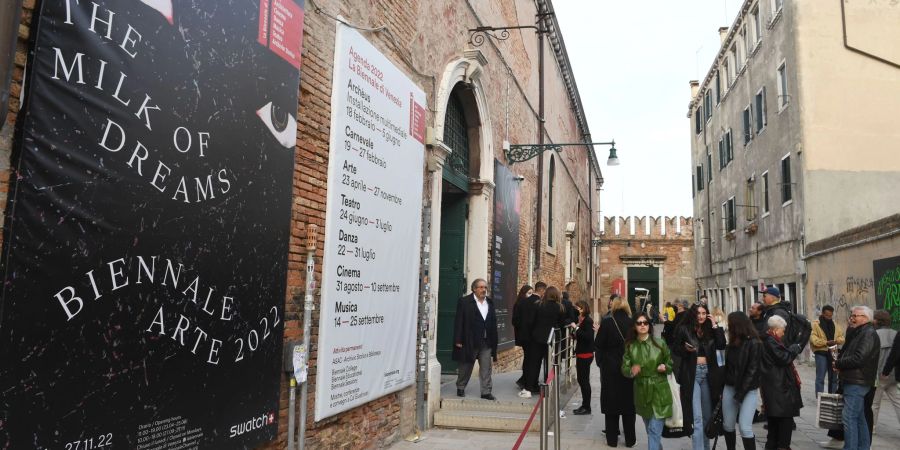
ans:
x=643 y=277
x=452 y=284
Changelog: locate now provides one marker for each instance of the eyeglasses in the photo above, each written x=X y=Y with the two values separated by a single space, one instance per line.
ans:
x=642 y=323
x=858 y=315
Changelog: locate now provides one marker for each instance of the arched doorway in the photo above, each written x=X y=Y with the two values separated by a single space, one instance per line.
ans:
x=460 y=129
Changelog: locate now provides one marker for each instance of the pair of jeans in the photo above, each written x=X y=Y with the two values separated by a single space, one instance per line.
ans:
x=654 y=427
x=738 y=411
x=701 y=406
x=856 y=430
x=823 y=369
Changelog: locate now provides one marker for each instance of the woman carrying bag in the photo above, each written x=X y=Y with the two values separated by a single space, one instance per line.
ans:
x=699 y=374
x=647 y=361
x=742 y=375
x=616 y=391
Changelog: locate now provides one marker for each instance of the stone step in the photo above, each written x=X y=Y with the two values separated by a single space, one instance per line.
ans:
x=485 y=420
x=478 y=405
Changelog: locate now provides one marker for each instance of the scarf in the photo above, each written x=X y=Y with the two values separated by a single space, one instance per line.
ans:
x=827 y=327
x=793 y=369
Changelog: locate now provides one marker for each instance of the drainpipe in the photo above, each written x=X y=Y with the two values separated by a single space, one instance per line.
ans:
x=540 y=187
x=311 y=237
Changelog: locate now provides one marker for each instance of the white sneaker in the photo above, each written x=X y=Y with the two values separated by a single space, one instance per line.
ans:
x=832 y=443
x=525 y=393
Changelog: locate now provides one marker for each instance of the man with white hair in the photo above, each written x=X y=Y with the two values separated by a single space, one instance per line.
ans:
x=857 y=367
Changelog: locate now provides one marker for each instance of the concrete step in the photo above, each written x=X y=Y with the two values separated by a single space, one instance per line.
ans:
x=479 y=405
x=485 y=420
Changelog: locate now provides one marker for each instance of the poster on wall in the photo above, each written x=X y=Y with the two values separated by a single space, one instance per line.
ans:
x=146 y=238
x=370 y=281
x=505 y=251
x=887 y=287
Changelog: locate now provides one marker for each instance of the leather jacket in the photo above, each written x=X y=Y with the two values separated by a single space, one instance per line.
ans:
x=858 y=361
x=742 y=367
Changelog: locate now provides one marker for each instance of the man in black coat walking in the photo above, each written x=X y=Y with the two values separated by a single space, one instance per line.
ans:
x=857 y=367
x=475 y=338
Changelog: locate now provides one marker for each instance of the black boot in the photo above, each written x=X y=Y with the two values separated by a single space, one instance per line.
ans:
x=730 y=440
x=749 y=443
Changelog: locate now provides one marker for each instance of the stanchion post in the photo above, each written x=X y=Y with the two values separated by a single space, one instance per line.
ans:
x=543 y=400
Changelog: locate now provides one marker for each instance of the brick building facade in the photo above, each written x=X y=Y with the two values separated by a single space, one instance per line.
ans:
x=654 y=253
x=498 y=85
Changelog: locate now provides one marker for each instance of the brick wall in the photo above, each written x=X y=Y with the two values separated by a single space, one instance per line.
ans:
x=674 y=245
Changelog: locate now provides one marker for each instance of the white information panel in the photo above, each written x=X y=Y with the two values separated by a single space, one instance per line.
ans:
x=370 y=282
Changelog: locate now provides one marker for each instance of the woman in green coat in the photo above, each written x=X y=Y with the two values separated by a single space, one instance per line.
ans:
x=647 y=360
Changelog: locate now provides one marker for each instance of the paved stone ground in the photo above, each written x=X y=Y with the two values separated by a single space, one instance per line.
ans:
x=582 y=432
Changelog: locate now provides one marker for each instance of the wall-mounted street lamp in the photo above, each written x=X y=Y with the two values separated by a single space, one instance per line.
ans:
x=523 y=152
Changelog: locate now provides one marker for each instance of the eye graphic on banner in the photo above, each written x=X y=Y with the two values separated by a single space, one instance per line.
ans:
x=281 y=124
x=163 y=6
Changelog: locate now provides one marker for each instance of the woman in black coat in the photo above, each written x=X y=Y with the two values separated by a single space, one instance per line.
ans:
x=616 y=391
x=699 y=374
x=549 y=314
x=742 y=376
x=520 y=317
x=781 y=389
x=584 y=354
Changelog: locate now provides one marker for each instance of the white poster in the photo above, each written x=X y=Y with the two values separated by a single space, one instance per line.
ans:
x=370 y=285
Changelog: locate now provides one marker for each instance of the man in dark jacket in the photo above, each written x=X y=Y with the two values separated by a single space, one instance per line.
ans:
x=758 y=318
x=857 y=367
x=475 y=338
x=524 y=324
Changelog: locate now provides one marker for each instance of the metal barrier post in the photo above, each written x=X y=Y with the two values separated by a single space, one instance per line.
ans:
x=543 y=401
x=557 y=418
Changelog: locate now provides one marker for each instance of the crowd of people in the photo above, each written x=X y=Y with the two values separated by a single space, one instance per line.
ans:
x=704 y=362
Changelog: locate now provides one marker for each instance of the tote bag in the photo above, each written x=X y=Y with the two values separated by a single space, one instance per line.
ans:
x=828 y=411
x=674 y=426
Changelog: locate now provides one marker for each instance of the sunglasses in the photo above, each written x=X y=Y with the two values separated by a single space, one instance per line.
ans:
x=641 y=323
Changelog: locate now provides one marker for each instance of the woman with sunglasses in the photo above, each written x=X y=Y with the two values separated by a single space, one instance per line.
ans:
x=699 y=374
x=647 y=360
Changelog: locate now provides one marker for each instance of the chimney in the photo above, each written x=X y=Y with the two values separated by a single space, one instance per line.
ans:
x=723 y=32
x=695 y=88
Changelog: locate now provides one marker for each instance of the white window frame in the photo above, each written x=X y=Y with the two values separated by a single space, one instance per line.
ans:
x=750 y=130
x=732 y=55
x=757 y=27
x=741 y=52
x=732 y=217
x=765 y=190
x=782 y=184
x=781 y=79
x=777 y=7
x=765 y=120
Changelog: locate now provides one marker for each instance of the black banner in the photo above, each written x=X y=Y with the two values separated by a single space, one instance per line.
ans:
x=146 y=237
x=887 y=287
x=505 y=253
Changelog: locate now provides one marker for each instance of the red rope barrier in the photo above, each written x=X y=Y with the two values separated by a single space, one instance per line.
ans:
x=537 y=405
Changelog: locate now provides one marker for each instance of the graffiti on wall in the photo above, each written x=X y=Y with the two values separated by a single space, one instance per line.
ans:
x=887 y=287
x=850 y=292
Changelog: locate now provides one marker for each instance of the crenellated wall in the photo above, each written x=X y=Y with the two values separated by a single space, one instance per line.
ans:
x=648 y=241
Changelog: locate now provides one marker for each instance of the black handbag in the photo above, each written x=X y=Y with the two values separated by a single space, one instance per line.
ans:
x=714 y=426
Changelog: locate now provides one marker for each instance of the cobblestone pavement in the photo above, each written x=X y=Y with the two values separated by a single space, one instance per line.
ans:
x=584 y=432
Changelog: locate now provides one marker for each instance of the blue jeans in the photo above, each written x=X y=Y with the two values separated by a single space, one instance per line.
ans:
x=654 y=432
x=701 y=406
x=740 y=412
x=823 y=367
x=856 y=430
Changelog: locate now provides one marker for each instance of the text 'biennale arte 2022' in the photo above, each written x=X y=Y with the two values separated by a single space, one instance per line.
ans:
x=146 y=242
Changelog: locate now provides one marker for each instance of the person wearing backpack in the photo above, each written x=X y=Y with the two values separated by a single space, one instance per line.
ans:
x=798 y=328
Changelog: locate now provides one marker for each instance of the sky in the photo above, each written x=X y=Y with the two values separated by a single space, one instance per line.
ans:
x=633 y=60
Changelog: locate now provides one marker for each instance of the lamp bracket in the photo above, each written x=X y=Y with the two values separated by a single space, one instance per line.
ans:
x=523 y=152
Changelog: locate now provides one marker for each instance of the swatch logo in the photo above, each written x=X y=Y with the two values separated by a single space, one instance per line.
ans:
x=252 y=424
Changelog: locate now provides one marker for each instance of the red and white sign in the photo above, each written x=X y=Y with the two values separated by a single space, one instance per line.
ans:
x=281 y=29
